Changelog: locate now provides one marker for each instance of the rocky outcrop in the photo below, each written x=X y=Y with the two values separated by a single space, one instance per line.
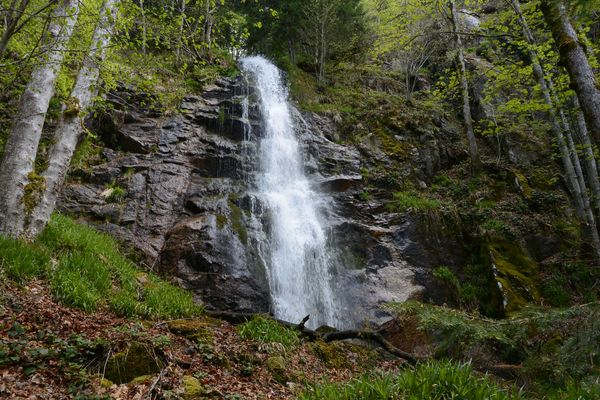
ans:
x=188 y=210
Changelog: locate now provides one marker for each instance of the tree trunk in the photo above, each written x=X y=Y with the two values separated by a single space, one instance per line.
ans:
x=589 y=212
x=71 y=125
x=568 y=152
x=572 y=55
x=16 y=171
x=538 y=72
x=473 y=151
x=588 y=153
x=180 y=39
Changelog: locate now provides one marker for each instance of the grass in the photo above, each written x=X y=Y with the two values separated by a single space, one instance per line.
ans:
x=86 y=270
x=411 y=201
x=21 y=260
x=429 y=381
x=266 y=330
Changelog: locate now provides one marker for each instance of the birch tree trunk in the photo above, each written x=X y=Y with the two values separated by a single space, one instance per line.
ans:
x=572 y=55
x=70 y=127
x=16 y=170
x=473 y=151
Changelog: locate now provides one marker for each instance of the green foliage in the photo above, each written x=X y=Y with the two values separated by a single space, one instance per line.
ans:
x=413 y=201
x=555 y=346
x=87 y=154
x=88 y=271
x=428 y=381
x=266 y=330
x=117 y=193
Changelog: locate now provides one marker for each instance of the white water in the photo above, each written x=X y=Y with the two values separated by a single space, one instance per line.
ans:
x=299 y=267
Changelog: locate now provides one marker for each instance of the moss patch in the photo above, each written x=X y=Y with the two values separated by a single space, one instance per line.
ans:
x=192 y=388
x=331 y=354
x=136 y=361
x=33 y=191
x=516 y=272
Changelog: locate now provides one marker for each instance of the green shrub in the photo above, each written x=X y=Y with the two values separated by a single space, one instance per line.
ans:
x=429 y=381
x=266 y=330
x=22 y=260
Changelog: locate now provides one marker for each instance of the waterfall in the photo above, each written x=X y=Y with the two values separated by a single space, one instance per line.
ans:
x=299 y=265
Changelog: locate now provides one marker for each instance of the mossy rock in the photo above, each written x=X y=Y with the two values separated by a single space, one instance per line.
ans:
x=192 y=388
x=192 y=327
x=105 y=383
x=331 y=354
x=276 y=365
x=516 y=273
x=136 y=361
x=141 y=379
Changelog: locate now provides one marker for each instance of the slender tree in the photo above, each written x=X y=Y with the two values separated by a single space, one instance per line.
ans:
x=70 y=127
x=17 y=178
x=573 y=57
x=464 y=83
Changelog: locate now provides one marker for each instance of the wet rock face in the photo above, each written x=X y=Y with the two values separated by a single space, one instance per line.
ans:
x=188 y=213
x=183 y=177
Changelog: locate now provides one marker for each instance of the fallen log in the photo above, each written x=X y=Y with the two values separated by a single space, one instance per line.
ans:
x=368 y=335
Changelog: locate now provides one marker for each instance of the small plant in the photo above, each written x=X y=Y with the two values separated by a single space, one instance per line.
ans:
x=115 y=193
x=266 y=330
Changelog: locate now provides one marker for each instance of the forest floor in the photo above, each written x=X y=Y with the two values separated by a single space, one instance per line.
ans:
x=51 y=351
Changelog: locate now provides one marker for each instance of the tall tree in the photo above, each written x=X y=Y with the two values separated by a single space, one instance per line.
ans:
x=573 y=57
x=17 y=176
x=464 y=83
x=564 y=136
x=71 y=126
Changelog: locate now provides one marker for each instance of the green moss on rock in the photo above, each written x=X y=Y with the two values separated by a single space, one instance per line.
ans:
x=330 y=353
x=136 y=361
x=278 y=368
x=192 y=388
x=516 y=272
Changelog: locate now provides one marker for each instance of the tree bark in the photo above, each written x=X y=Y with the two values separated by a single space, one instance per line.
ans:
x=573 y=57
x=21 y=148
x=70 y=127
x=473 y=151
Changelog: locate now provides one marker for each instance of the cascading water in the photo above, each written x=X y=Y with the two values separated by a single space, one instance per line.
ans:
x=298 y=261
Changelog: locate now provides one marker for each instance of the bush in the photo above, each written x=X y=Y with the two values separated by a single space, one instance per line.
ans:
x=266 y=330
x=430 y=381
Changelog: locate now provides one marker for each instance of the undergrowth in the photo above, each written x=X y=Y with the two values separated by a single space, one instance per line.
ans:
x=86 y=270
x=555 y=347
x=428 y=381
x=266 y=330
